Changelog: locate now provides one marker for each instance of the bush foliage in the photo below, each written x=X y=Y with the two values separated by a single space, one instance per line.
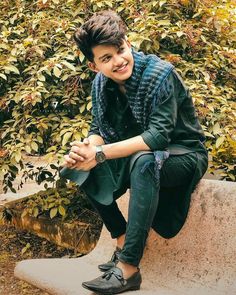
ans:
x=45 y=84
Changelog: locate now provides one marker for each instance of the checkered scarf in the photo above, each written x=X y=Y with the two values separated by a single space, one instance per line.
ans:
x=144 y=90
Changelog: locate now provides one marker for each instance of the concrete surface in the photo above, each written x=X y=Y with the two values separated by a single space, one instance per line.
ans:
x=200 y=260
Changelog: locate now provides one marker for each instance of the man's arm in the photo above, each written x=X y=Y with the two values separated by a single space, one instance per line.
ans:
x=125 y=148
x=115 y=150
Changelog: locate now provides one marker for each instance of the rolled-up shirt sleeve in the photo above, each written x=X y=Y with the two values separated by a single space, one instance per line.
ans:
x=94 y=129
x=93 y=126
x=163 y=117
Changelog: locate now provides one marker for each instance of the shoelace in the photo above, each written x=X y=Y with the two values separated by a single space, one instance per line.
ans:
x=107 y=275
x=114 y=256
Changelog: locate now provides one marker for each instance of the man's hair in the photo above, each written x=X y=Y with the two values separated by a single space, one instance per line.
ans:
x=103 y=28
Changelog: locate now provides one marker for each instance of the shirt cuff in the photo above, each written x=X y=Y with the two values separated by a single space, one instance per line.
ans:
x=154 y=139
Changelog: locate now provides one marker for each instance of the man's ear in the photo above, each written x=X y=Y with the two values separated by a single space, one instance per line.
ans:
x=93 y=67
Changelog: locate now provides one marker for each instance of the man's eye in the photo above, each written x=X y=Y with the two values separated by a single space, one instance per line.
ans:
x=106 y=59
x=121 y=49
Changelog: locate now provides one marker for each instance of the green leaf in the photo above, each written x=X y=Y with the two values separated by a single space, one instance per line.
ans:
x=53 y=212
x=25 y=248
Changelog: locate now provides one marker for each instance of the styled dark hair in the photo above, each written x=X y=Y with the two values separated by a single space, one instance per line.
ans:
x=105 y=27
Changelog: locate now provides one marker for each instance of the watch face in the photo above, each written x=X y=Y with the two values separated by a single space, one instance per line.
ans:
x=100 y=157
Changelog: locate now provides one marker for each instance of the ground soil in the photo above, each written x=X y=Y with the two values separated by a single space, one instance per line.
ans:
x=16 y=245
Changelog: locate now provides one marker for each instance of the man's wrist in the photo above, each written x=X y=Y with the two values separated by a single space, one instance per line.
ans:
x=100 y=157
x=95 y=139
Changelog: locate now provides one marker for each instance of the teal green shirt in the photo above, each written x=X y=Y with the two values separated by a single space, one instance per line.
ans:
x=173 y=124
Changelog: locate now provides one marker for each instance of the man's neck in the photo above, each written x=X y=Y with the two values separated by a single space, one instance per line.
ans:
x=122 y=88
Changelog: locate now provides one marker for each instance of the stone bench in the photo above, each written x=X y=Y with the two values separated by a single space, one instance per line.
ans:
x=201 y=259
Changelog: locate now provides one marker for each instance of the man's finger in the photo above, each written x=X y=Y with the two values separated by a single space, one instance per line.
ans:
x=76 y=157
x=86 y=141
x=78 y=152
x=68 y=161
x=77 y=143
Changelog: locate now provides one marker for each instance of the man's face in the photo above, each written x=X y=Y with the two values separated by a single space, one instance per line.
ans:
x=114 y=62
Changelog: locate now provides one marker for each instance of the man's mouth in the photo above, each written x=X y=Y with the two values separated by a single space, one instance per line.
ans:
x=121 y=69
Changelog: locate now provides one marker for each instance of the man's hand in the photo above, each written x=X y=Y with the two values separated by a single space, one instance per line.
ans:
x=81 y=156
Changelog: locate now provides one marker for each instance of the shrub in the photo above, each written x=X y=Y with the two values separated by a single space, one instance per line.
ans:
x=45 y=84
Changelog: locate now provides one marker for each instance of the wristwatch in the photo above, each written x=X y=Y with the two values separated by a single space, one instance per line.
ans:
x=100 y=156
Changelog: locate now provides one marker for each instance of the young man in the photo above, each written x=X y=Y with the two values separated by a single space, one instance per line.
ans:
x=144 y=136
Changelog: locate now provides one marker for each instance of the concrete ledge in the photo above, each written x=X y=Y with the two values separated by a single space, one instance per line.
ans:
x=201 y=259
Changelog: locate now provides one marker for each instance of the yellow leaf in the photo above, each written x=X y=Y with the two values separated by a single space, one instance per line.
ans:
x=82 y=108
x=68 y=65
x=12 y=69
x=62 y=211
x=53 y=212
x=208 y=134
x=28 y=149
x=34 y=146
x=89 y=105
x=3 y=76
x=179 y=33
x=85 y=132
x=41 y=77
x=66 y=137
x=219 y=141
x=77 y=136
x=56 y=72
x=81 y=56
x=216 y=128
x=18 y=156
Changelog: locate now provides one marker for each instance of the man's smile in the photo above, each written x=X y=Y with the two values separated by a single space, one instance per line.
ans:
x=121 y=69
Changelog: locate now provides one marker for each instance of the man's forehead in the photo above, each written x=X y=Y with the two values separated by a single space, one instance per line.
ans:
x=104 y=49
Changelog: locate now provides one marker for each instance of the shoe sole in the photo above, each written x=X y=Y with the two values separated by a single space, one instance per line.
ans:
x=109 y=293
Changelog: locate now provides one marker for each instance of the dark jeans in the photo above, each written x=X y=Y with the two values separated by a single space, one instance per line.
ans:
x=144 y=185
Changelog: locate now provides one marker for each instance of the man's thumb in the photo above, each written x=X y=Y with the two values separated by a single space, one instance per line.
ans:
x=86 y=141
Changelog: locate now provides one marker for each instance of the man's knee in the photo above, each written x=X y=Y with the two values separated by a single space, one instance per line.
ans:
x=143 y=162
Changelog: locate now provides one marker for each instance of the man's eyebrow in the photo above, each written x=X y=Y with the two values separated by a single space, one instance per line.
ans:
x=105 y=55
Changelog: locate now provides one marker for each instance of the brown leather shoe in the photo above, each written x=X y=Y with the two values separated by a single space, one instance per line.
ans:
x=112 y=262
x=113 y=282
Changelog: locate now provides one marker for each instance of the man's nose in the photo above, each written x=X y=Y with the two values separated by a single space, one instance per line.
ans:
x=117 y=60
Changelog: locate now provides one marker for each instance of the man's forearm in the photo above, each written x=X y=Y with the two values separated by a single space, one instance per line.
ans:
x=125 y=148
